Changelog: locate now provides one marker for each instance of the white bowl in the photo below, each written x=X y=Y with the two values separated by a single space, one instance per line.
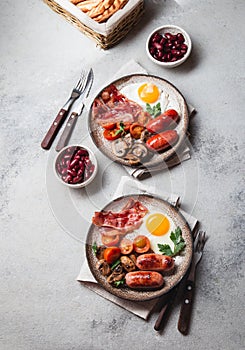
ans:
x=172 y=30
x=58 y=160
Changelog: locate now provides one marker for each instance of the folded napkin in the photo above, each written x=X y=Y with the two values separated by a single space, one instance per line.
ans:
x=142 y=309
x=133 y=67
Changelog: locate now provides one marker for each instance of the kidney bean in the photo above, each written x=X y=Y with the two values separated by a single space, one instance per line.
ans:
x=184 y=47
x=76 y=179
x=64 y=171
x=158 y=46
x=74 y=162
x=180 y=37
x=71 y=172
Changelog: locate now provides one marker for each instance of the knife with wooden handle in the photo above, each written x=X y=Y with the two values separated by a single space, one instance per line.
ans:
x=70 y=125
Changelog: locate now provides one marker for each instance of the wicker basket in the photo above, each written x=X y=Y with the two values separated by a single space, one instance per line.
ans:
x=104 y=34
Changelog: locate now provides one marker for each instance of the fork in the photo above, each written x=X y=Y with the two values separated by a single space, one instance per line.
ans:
x=61 y=116
x=185 y=312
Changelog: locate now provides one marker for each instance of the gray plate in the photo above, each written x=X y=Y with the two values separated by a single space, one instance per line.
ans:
x=177 y=99
x=153 y=204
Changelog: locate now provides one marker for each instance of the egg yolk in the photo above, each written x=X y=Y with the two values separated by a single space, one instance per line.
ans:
x=157 y=224
x=148 y=93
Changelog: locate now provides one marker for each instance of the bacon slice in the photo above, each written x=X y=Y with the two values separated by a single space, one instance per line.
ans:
x=122 y=222
x=117 y=108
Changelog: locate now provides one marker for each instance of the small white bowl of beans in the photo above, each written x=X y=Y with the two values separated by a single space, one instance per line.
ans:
x=168 y=46
x=75 y=166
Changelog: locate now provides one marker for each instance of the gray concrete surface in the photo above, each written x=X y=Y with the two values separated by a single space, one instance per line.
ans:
x=41 y=305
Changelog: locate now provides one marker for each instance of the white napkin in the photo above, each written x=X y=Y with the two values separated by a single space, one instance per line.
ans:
x=141 y=309
x=133 y=67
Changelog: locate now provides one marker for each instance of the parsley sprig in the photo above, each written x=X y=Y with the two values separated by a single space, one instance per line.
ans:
x=177 y=239
x=118 y=283
x=94 y=247
x=155 y=111
x=121 y=128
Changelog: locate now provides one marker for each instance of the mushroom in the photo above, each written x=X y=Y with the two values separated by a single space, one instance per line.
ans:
x=129 y=140
x=139 y=150
x=100 y=252
x=132 y=159
x=116 y=275
x=127 y=263
x=103 y=267
x=133 y=258
x=119 y=147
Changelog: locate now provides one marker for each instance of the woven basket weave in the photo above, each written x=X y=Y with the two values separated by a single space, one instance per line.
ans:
x=110 y=39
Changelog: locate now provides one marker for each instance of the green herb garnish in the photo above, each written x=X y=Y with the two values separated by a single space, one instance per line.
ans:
x=177 y=239
x=117 y=262
x=118 y=283
x=155 y=111
x=121 y=129
x=95 y=248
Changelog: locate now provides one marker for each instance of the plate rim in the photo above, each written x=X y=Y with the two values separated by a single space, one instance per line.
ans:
x=171 y=152
x=158 y=292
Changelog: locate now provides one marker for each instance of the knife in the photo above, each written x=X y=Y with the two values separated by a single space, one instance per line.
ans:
x=77 y=110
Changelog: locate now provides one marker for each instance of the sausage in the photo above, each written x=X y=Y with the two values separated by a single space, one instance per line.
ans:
x=162 y=141
x=156 y=262
x=162 y=122
x=144 y=279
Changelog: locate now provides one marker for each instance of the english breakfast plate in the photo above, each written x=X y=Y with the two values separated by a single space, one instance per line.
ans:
x=139 y=120
x=122 y=222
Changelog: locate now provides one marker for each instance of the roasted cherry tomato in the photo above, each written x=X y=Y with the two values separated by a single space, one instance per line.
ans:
x=136 y=130
x=109 y=241
x=109 y=126
x=112 y=254
x=141 y=244
x=171 y=112
x=126 y=246
x=112 y=135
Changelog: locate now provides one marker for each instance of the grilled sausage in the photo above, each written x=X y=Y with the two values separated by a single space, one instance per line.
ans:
x=144 y=279
x=156 y=262
x=162 y=122
x=162 y=141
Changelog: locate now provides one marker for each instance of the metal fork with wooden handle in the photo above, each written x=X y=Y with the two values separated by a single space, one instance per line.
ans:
x=185 y=312
x=61 y=116
x=77 y=110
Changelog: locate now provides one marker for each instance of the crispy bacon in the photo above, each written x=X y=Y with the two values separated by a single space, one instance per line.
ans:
x=116 y=107
x=122 y=222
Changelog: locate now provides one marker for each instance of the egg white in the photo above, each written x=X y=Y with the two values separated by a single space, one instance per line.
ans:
x=131 y=92
x=155 y=240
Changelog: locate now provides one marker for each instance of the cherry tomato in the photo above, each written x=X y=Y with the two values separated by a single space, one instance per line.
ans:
x=109 y=241
x=171 y=112
x=126 y=246
x=109 y=126
x=111 y=135
x=136 y=130
x=112 y=254
x=141 y=244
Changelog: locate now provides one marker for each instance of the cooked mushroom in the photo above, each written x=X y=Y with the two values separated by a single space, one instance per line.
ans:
x=114 y=278
x=100 y=252
x=119 y=147
x=103 y=267
x=116 y=275
x=133 y=258
x=139 y=150
x=132 y=159
x=127 y=263
x=129 y=140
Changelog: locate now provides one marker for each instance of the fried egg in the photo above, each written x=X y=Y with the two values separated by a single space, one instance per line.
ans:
x=157 y=226
x=145 y=93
